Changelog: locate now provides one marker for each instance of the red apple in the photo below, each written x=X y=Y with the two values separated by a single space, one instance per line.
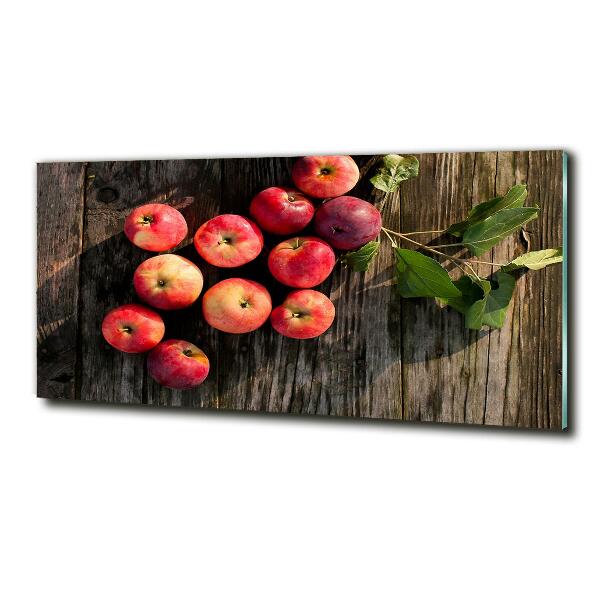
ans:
x=168 y=281
x=133 y=328
x=236 y=305
x=325 y=176
x=302 y=262
x=228 y=241
x=177 y=364
x=155 y=227
x=303 y=314
x=281 y=210
x=347 y=222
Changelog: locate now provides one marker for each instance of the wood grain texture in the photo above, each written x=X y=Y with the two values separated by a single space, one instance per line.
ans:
x=384 y=357
x=59 y=234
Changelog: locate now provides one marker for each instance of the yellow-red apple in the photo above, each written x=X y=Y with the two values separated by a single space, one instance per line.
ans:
x=236 y=305
x=155 y=227
x=168 y=281
x=304 y=314
x=228 y=241
x=281 y=210
x=325 y=176
x=178 y=364
x=302 y=262
x=133 y=328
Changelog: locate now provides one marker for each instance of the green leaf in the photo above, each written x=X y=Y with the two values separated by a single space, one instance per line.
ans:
x=474 y=315
x=472 y=289
x=393 y=170
x=535 y=260
x=514 y=198
x=359 y=260
x=421 y=276
x=483 y=302
x=498 y=300
x=480 y=237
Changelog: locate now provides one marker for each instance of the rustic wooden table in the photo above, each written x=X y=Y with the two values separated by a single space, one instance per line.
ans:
x=384 y=357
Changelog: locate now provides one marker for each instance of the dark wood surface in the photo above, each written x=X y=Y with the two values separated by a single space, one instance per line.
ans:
x=384 y=357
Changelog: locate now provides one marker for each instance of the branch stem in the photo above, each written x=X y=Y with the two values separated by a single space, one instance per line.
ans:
x=444 y=245
x=431 y=249
x=424 y=232
x=394 y=245
x=472 y=269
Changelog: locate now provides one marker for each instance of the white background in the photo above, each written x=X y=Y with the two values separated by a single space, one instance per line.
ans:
x=127 y=504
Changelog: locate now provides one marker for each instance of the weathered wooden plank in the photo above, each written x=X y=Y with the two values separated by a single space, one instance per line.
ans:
x=433 y=340
x=544 y=294
x=477 y=353
x=503 y=379
x=198 y=197
x=109 y=261
x=357 y=363
x=60 y=189
x=379 y=323
x=262 y=370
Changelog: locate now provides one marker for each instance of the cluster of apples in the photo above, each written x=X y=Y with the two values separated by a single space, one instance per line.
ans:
x=237 y=305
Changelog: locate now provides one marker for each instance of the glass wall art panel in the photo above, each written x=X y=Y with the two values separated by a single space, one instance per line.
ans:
x=409 y=287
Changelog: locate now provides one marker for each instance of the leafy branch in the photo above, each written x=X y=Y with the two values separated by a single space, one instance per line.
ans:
x=482 y=301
